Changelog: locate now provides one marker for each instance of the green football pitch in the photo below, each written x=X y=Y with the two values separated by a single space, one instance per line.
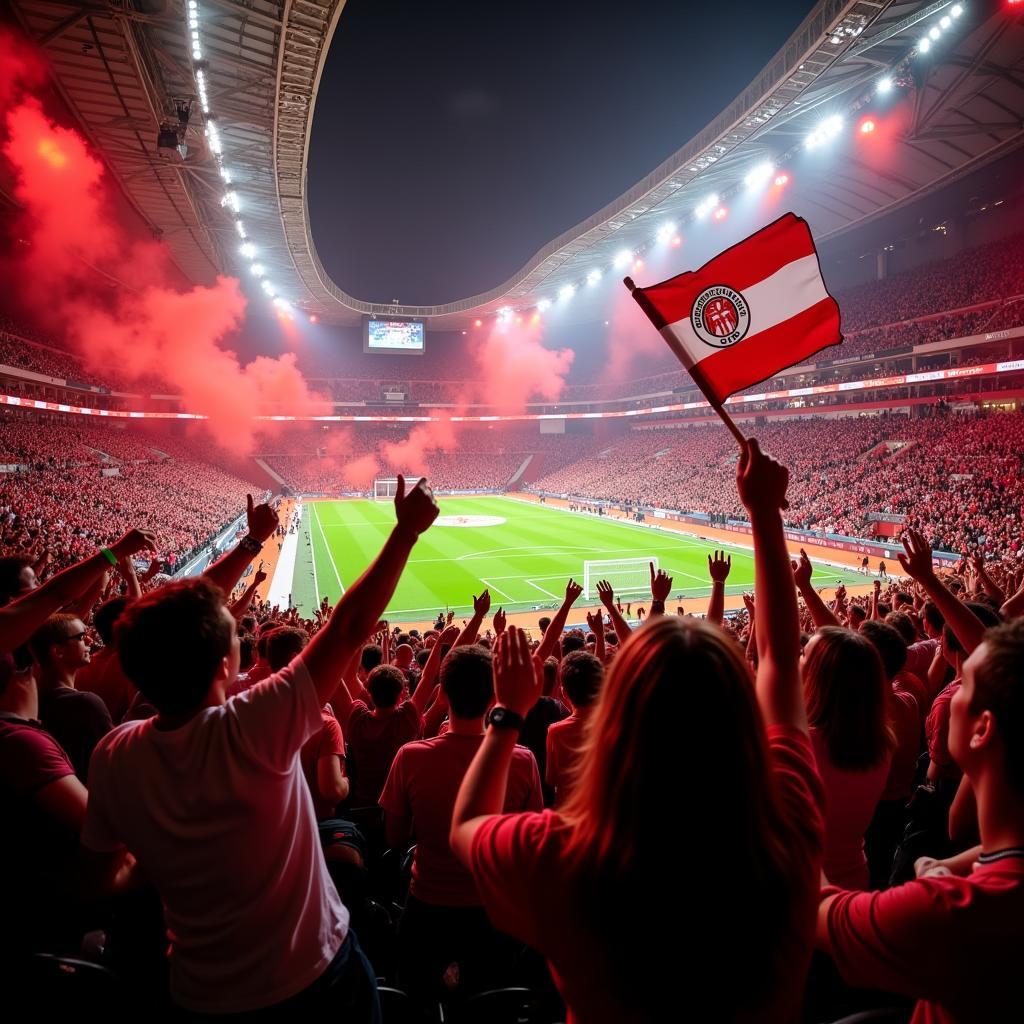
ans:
x=523 y=553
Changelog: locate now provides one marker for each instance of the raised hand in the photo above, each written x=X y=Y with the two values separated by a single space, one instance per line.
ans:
x=917 y=559
x=719 y=566
x=606 y=594
x=595 y=623
x=482 y=604
x=572 y=591
x=449 y=635
x=518 y=676
x=260 y=576
x=133 y=542
x=661 y=585
x=748 y=603
x=417 y=509
x=760 y=480
x=261 y=519
x=499 y=621
x=802 y=570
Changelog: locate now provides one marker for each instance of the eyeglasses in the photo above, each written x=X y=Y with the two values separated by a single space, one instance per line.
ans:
x=74 y=636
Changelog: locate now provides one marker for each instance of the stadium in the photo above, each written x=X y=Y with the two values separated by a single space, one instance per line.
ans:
x=716 y=413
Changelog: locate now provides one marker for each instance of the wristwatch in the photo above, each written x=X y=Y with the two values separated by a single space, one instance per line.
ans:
x=251 y=545
x=503 y=718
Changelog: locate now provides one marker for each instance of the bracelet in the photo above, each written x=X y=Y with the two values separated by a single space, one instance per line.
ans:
x=109 y=555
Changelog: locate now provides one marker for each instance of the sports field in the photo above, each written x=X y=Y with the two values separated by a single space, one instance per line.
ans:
x=523 y=553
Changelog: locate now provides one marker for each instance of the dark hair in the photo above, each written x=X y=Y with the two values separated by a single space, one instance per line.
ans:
x=283 y=644
x=930 y=613
x=858 y=612
x=846 y=695
x=887 y=641
x=999 y=689
x=172 y=642
x=904 y=625
x=246 y=651
x=574 y=640
x=247 y=624
x=106 y=615
x=468 y=681
x=371 y=657
x=11 y=567
x=988 y=616
x=550 y=675
x=422 y=656
x=543 y=622
x=385 y=684
x=582 y=674
x=55 y=629
x=902 y=597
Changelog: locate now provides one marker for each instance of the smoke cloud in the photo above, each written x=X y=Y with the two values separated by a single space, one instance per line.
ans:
x=146 y=328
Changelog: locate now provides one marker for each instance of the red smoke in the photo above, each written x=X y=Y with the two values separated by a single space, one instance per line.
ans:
x=144 y=327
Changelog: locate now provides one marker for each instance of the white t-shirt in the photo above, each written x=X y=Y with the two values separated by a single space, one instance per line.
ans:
x=220 y=818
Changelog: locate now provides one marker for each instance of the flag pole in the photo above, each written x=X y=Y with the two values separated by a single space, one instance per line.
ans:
x=680 y=353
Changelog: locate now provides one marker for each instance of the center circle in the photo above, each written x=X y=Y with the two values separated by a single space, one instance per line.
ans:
x=469 y=521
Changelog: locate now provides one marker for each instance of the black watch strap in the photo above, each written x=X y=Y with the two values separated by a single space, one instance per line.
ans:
x=250 y=544
x=503 y=718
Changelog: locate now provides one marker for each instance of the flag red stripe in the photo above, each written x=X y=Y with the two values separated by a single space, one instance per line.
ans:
x=761 y=356
x=739 y=267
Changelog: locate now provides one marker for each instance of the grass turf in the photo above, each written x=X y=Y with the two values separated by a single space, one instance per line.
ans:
x=524 y=560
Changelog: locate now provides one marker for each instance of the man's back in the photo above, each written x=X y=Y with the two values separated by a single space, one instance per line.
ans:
x=219 y=816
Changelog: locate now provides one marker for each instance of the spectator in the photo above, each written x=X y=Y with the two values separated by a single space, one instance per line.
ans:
x=103 y=674
x=582 y=674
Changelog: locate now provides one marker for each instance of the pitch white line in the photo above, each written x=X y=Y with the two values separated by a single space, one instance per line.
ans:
x=316 y=516
x=491 y=586
x=554 y=597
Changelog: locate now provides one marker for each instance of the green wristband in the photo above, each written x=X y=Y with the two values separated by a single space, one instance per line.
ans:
x=109 y=555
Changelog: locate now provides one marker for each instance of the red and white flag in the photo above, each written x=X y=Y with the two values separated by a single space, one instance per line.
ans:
x=753 y=310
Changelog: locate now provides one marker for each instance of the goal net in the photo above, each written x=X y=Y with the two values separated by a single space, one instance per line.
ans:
x=626 y=575
x=385 y=488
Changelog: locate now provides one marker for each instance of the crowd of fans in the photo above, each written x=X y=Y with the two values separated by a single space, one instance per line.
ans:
x=233 y=808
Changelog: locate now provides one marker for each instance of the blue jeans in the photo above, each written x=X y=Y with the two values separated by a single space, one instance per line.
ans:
x=346 y=991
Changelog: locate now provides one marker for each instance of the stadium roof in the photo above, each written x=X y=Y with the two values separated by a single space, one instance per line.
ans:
x=125 y=71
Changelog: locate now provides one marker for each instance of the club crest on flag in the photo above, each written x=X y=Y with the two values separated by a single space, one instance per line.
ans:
x=720 y=316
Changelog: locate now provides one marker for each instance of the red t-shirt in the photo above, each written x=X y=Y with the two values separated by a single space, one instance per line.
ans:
x=851 y=799
x=329 y=740
x=528 y=890
x=906 y=723
x=374 y=740
x=910 y=683
x=105 y=677
x=954 y=944
x=565 y=738
x=919 y=658
x=936 y=729
x=422 y=786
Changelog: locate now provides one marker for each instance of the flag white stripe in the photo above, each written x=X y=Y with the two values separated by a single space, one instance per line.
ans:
x=780 y=296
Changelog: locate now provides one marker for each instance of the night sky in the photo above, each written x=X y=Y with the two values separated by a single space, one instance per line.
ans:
x=451 y=141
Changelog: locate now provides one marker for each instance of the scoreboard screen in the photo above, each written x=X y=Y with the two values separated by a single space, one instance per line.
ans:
x=401 y=337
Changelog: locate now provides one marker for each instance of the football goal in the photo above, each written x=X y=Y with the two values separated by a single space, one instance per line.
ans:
x=626 y=575
x=385 y=488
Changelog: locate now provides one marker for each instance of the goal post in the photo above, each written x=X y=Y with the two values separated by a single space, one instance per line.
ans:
x=626 y=575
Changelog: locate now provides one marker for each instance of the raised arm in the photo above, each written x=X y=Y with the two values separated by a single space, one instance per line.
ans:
x=988 y=584
x=554 y=631
x=427 y=681
x=228 y=569
x=518 y=682
x=661 y=587
x=718 y=570
x=596 y=623
x=762 y=482
x=607 y=596
x=241 y=606
x=21 y=618
x=821 y=614
x=362 y=604
x=917 y=562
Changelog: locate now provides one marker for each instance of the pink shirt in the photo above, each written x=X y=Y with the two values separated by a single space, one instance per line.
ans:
x=422 y=786
x=906 y=724
x=850 y=802
x=564 y=741
x=375 y=739
x=954 y=944
x=528 y=888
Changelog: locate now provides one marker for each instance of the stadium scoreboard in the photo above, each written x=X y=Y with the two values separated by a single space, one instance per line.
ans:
x=394 y=336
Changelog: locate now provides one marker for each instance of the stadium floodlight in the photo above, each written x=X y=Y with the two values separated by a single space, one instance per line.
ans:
x=543 y=305
x=945 y=21
x=193 y=5
x=956 y=10
x=241 y=228
x=924 y=44
x=884 y=86
x=197 y=54
x=782 y=179
x=594 y=276
x=666 y=231
x=247 y=249
x=759 y=175
x=226 y=175
x=706 y=205
x=257 y=270
x=566 y=292
x=622 y=258
x=268 y=288
x=934 y=33
x=231 y=199
x=826 y=131
x=504 y=314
